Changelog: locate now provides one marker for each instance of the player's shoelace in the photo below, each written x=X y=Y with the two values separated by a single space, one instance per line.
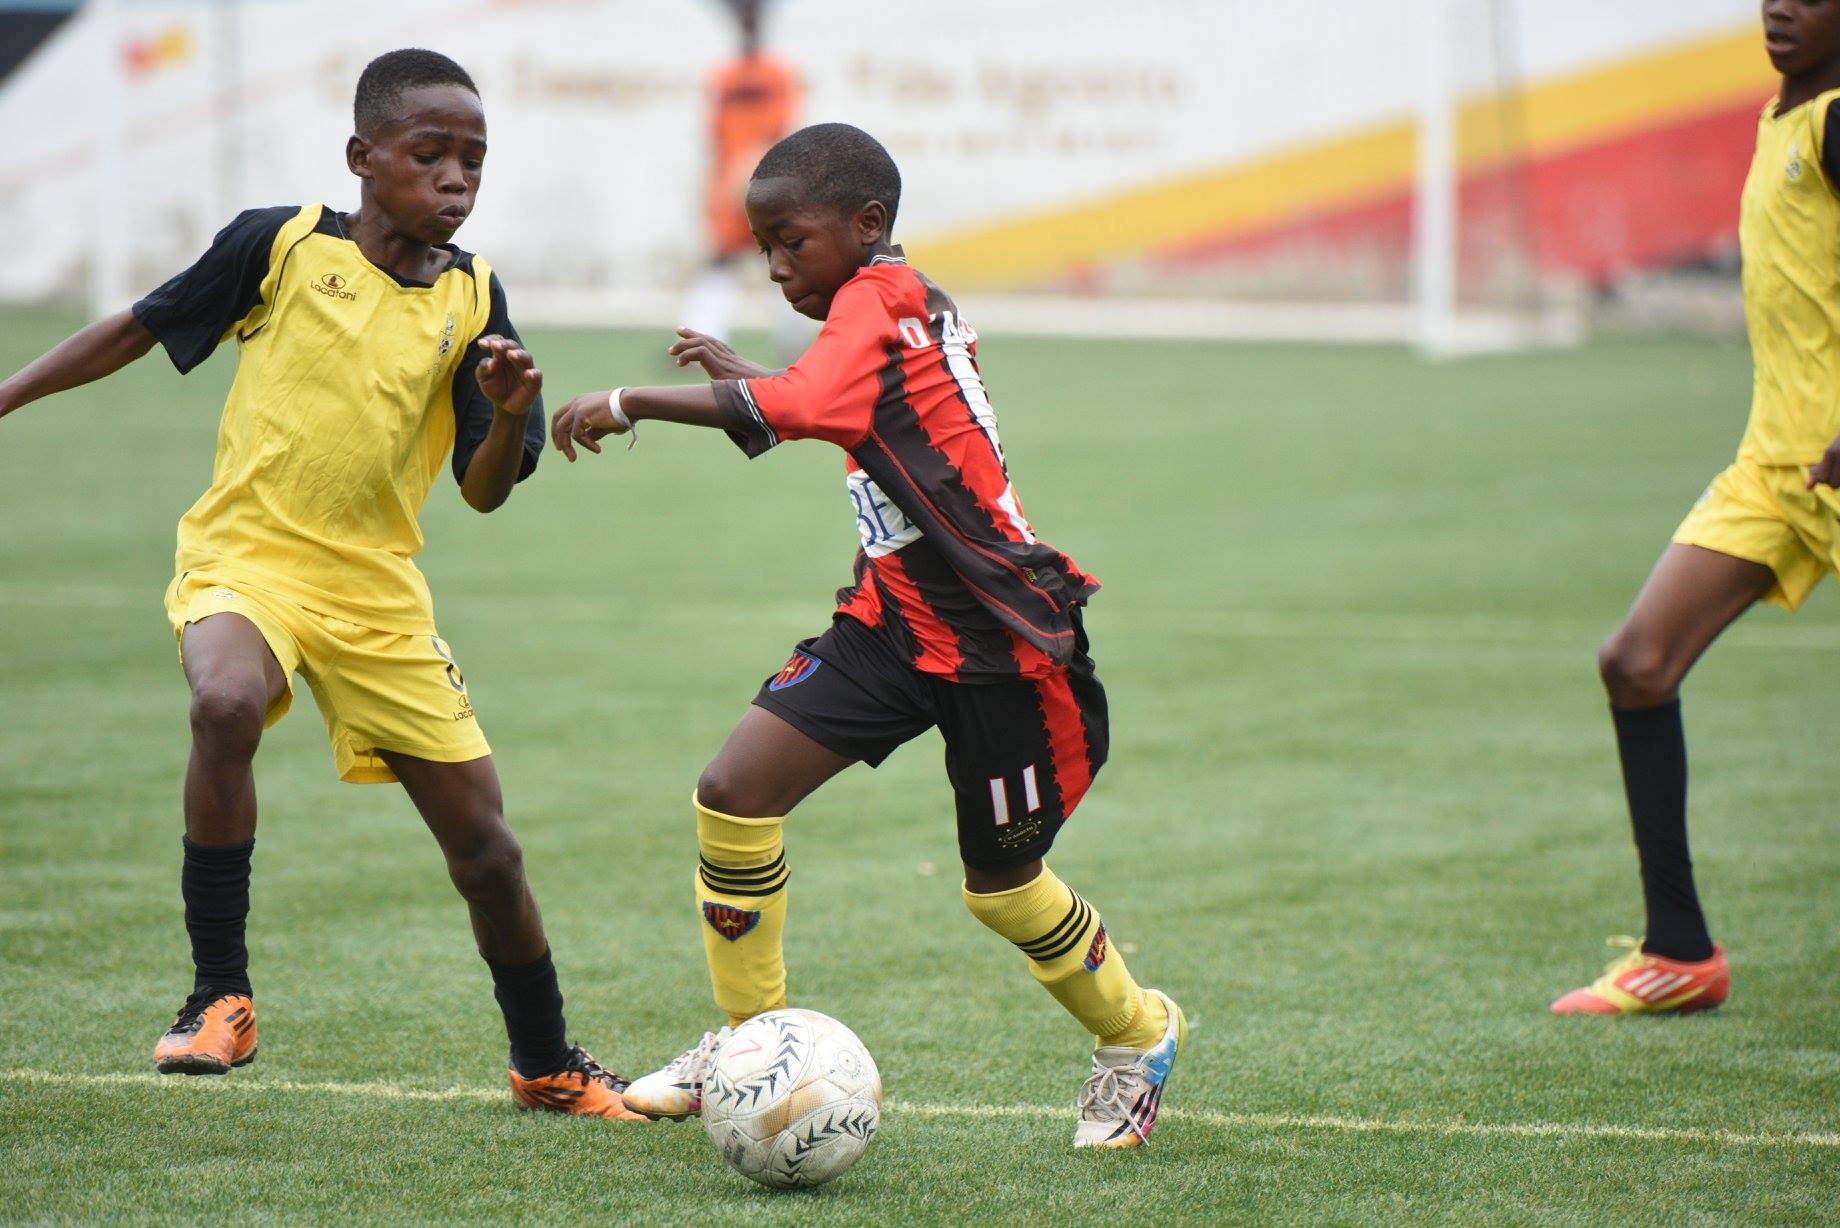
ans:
x=191 y=1015
x=1631 y=948
x=693 y=1063
x=583 y=1066
x=1110 y=1091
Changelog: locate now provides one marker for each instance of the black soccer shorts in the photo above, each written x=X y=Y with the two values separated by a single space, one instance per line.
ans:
x=1020 y=754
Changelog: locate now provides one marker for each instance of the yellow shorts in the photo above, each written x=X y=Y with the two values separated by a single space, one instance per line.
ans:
x=377 y=690
x=1765 y=514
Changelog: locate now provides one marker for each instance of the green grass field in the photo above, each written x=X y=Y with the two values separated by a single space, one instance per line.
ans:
x=1362 y=819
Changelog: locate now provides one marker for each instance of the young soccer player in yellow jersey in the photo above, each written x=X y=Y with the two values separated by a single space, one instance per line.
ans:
x=1767 y=529
x=368 y=348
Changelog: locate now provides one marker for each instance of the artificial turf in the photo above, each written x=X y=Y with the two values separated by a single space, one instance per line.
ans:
x=1362 y=818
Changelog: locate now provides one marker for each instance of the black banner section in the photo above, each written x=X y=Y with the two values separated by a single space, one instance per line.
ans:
x=24 y=27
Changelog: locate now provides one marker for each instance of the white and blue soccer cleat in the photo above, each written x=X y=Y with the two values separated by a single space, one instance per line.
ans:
x=1119 y=1104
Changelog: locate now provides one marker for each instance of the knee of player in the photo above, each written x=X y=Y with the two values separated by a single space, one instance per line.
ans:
x=492 y=870
x=227 y=717
x=1635 y=670
x=724 y=792
x=987 y=880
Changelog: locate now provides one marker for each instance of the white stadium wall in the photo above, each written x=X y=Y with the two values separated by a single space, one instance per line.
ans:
x=1046 y=144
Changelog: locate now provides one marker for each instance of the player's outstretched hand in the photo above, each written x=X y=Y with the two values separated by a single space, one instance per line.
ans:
x=1826 y=471
x=715 y=355
x=586 y=420
x=508 y=376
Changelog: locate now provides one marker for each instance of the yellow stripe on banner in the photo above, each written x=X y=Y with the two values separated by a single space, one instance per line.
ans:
x=1563 y=113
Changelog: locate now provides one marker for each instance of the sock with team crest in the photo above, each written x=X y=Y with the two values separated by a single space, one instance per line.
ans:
x=1071 y=955
x=741 y=894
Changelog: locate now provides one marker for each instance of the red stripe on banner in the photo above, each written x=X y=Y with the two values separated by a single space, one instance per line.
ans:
x=1066 y=739
x=1661 y=197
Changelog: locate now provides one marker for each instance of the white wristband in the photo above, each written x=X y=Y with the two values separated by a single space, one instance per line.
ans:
x=620 y=418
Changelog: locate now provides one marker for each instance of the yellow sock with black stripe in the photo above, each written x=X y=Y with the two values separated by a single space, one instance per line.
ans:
x=741 y=893
x=1071 y=955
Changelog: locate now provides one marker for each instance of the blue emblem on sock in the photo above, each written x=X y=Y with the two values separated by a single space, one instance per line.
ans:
x=729 y=921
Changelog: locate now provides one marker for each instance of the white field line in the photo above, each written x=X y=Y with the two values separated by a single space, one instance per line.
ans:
x=242 y=1083
x=1342 y=626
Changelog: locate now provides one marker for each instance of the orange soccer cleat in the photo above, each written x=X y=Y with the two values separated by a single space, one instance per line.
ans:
x=583 y=1087
x=1642 y=984
x=213 y=1032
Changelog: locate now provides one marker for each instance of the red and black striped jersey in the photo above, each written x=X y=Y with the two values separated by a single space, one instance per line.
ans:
x=950 y=571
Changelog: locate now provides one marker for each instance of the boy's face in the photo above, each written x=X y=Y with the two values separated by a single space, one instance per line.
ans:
x=424 y=163
x=811 y=248
x=1801 y=35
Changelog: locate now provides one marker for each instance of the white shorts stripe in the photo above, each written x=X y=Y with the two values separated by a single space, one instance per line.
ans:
x=999 y=800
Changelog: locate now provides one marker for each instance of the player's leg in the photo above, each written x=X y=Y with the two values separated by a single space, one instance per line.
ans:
x=764 y=769
x=396 y=709
x=236 y=683
x=840 y=699
x=1020 y=757
x=463 y=806
x=1693 y=594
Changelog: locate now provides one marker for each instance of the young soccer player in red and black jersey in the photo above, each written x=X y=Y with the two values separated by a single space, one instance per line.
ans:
x=960 y=618
x=368 y=349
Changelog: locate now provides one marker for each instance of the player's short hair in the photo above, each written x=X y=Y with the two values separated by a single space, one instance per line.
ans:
x=381 y=84
x=836 y=164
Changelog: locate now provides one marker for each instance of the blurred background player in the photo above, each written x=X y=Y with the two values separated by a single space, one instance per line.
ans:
x=1765 y=529
x=753 y=101
x=368 y=349
x=960 y=619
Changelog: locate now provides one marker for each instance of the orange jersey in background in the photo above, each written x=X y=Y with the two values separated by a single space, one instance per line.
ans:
x=754 y=101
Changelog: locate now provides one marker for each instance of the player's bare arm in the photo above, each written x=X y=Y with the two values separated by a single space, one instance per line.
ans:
x=593 y=416
x=511 y=381
x=103 y=348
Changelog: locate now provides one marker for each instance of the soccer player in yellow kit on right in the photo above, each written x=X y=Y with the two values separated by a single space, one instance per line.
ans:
x=1767 y=529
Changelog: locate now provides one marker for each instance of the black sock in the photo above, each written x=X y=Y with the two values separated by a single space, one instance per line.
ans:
x=532 y=1003
x=1654 y=751
x=215 y=883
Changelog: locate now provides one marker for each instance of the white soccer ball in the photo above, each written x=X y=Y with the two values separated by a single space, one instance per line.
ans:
x=792 y=1098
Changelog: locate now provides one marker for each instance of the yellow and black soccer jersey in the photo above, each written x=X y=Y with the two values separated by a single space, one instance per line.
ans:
x=1790 y=233
x=352 y=387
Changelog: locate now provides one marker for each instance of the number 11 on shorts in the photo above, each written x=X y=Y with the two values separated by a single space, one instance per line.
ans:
x=999 y=795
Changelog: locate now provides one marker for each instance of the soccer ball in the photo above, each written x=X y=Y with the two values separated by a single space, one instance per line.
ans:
x=791 y=1098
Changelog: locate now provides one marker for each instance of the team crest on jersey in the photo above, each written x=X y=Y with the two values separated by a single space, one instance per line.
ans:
x=1794 y=169
x=1095 y=954
x=729 y=921
x=445 y=345
x=797 y=670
